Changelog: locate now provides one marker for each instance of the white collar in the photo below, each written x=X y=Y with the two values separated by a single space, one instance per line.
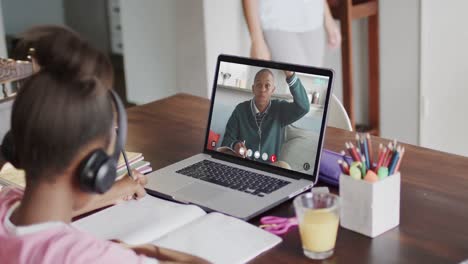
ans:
x=256 y=109
x=29 y=229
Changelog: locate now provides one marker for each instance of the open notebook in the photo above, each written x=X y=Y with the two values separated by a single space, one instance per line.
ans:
x=215 y=237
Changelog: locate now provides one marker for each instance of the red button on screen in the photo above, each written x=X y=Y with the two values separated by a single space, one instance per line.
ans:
x=273 y=158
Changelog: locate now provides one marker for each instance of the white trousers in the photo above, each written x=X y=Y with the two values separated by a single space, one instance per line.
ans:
x=306 y=48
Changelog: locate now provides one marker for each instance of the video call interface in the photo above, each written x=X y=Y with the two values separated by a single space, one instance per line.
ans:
x=267 y=115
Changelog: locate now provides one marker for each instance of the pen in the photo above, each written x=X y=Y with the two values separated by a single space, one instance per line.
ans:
x=127 y=165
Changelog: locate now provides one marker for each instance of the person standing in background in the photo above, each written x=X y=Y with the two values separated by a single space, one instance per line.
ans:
x=291 y=31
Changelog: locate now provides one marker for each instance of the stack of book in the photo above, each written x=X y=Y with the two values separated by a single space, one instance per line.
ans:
x=10 y=176
x=136 y=161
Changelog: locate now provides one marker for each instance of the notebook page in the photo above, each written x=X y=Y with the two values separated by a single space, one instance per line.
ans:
x=13 y=176
x=137 y=222
x=220 y=239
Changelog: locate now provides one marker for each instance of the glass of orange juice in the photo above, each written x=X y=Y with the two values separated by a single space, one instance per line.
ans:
x=318 y=216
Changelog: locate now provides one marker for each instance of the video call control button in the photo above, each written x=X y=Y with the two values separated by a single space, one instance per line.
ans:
x=273 y=158
x=249 y=153
x=242 y=151
x=264 y=156
x=257 y=154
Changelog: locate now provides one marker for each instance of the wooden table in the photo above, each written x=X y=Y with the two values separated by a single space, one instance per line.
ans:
x=434 y=191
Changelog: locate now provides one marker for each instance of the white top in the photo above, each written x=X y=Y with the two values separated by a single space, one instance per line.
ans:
x=25 y=230
x=291 y=15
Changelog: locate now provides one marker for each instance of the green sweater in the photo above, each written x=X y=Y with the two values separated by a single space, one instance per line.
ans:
x=268 y=136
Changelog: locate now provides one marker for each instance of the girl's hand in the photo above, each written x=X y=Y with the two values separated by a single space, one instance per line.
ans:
x=136 y=189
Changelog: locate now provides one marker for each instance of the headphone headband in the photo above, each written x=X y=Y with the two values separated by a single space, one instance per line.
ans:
x=122 y=126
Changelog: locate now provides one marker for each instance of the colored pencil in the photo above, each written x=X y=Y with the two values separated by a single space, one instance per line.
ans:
x=393 y=163
x=363 y=166
x=357 y=140
x=397 y=168
x=344 y=167
x=389 y=155
x=355 y=152
x=379 y=154
x=366 y=153
x=361 y=146
x=343 y=154
x=381 y=158
x=369 y=148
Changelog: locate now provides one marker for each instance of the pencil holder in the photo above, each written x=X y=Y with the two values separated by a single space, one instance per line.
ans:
x=370 y=208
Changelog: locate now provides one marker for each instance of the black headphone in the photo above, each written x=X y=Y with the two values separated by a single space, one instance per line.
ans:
x=97 y=172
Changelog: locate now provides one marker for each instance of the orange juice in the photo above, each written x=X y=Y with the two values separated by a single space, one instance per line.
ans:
x=318 y=230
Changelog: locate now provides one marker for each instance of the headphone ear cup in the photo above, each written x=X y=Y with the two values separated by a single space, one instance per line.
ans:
x=97 y=172
x=106 y=176
x=9 y=151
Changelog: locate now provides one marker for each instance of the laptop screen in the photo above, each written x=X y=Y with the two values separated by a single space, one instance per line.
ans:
x=269 y=114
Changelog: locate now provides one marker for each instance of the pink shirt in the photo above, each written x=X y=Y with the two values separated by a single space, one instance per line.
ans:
x=53 y=242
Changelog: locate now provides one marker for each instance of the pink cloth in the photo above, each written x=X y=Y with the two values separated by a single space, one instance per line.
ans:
x=60 y=244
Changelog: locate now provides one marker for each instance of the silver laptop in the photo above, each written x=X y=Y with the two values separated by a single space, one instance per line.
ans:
x=263 y=140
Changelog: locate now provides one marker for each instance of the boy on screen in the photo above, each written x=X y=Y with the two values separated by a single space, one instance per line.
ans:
x=255 y=128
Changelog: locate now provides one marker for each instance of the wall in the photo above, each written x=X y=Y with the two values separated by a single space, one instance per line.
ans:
x=21 y=14
x=225 y=32
x=399 y=69
x=190 y=46
x=332 y=60
x=164 y=48
x=89 y=18
x=444 y=78
x=149 y=45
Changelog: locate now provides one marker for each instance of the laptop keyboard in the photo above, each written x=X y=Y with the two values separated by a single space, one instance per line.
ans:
x=234 y=178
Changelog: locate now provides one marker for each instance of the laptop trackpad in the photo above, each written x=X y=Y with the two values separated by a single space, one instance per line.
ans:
x=197 y=192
